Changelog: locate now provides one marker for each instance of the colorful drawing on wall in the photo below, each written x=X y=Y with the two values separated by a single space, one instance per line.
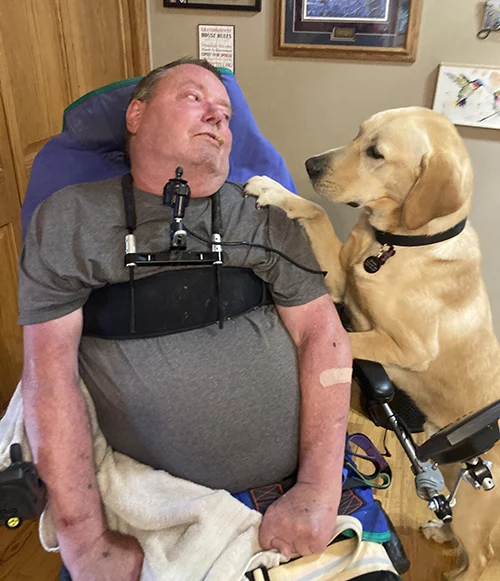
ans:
x=469 y=95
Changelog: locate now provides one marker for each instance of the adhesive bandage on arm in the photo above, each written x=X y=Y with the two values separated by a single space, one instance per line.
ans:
x=331 y=377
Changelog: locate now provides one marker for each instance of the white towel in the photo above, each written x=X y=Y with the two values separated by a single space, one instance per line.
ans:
x=188 y=532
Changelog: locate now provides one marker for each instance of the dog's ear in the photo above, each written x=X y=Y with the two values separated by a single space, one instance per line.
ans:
x=439 y=191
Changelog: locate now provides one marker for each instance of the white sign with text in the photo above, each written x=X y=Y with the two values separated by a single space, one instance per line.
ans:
x=216 y=45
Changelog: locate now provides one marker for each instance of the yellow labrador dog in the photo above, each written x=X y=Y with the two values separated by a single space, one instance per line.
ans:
x=423 y=311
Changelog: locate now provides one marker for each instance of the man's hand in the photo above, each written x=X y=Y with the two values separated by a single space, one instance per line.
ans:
x=112 y=556
x=302 y=521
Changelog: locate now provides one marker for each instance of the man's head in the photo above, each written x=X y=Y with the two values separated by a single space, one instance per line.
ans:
x=179 y=115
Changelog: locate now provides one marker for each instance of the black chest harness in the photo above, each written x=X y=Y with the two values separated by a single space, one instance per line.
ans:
x=199 y=290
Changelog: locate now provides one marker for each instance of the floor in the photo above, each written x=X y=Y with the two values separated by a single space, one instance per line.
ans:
x=23 y=559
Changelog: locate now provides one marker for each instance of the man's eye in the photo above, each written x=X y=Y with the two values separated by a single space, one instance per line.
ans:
x=193 y=97
x=374 y=153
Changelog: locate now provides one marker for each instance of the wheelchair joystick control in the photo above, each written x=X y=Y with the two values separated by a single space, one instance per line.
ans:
x=22 y=493
x=465 y=439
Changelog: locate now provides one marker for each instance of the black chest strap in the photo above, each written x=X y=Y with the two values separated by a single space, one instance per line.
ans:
x=171 y=302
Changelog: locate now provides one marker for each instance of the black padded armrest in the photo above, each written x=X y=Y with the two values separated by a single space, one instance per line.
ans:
x=373 y=381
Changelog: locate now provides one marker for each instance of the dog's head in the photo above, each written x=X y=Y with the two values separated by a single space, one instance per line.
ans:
x=409 y=162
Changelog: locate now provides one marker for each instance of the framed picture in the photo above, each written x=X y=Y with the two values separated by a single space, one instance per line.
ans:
x=469 y=95
x=348 y=29
x=248 y=5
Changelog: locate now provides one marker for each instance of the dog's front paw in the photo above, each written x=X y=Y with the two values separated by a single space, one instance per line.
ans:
x=437 y=531
x=268 y=192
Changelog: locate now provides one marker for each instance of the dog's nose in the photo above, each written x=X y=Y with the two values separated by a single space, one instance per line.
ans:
x=315 y=166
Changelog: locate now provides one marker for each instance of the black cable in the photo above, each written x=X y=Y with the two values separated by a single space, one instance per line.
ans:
x=306 y=268
x=407 y=432
x=131 y=219
x=387 y=454
x=220 y=306
x=216 y=215
x=132 y=300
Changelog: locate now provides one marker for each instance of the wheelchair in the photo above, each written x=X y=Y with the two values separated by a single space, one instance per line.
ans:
x=90 y=148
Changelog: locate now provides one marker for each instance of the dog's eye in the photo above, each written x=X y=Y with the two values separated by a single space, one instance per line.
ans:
x=374 y=153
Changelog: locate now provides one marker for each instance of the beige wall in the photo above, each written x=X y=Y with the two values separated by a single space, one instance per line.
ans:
x=305 y=106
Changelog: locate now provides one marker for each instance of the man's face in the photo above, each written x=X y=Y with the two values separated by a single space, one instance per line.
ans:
x=186 y=123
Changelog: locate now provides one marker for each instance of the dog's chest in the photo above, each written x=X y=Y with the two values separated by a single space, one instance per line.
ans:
x=378 y=281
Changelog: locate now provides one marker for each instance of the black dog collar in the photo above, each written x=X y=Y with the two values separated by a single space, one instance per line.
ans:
x=373 y=263
x=401 y=240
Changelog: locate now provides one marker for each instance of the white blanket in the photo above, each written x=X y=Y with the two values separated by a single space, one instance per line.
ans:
x=188 y=532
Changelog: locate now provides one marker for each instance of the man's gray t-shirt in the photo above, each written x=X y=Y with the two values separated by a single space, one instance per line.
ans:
x=219 y=407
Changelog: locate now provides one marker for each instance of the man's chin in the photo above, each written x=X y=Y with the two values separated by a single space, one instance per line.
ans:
x=212 y=163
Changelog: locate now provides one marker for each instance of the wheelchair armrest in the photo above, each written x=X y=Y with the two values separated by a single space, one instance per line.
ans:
x=373 y=381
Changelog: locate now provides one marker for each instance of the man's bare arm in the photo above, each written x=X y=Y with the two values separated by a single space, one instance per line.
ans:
x=57 y=422
x=325 y=367
x=60 y=435
x=303 y=520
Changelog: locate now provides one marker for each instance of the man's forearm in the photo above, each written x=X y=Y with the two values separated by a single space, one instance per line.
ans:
x=325 y=367
x=59 y=433
x=302 y=521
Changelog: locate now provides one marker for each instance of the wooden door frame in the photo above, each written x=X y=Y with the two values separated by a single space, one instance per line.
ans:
x=141 y=61
x=141 y=43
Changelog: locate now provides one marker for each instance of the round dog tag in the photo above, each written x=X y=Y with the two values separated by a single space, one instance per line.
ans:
x=372 y=264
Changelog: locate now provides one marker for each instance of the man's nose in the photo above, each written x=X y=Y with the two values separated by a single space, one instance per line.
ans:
x=213 y=114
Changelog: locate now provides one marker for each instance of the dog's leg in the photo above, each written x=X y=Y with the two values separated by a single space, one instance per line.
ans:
x=407 y=353
x=474 y=518
x=466 y=568
x=313 y=218
x=471 y=565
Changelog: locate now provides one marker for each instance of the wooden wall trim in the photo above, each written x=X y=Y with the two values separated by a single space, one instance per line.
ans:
x=140 y=40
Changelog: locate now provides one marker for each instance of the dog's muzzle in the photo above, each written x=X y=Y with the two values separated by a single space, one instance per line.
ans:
x=315 y=166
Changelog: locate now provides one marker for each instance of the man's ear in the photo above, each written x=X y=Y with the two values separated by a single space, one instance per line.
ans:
x=439 y=191
x=134 y=114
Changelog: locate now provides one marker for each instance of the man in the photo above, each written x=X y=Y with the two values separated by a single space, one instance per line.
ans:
x=219 y=407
